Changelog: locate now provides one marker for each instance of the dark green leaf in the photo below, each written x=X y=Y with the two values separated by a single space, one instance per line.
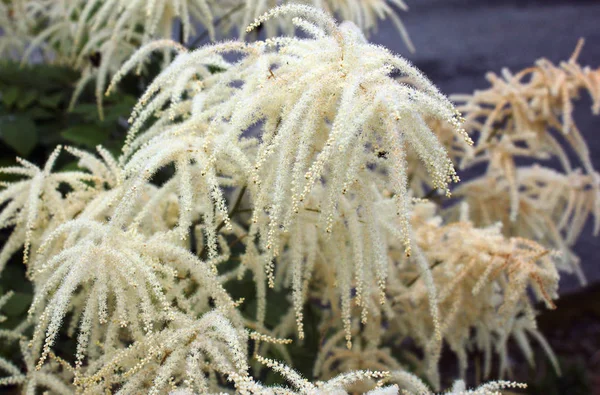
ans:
x=17 y=304
x=26 y=99
x=88 y=111
x=122 y=108
x=52 y=101
x=39 y=113
x=10 y=95
x=87 y=135
x=44 y=77
x=19 y=133
x=71 y=166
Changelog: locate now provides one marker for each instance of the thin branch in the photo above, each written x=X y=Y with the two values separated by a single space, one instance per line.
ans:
x=232 y=212
x=414 y=280
x=204 y=34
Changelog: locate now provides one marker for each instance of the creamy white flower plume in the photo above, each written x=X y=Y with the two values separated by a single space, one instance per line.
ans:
x=324 y=108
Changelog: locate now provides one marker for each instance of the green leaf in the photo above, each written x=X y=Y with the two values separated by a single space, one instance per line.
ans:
x=51 y=101
x=87 y=135
x=18 y=304
x=122 y=108
x=88 y=111
x=71 y=166
x=19 y=133
x=26 y=99
x=39 y=113
x=10 y=95
x=43 y=76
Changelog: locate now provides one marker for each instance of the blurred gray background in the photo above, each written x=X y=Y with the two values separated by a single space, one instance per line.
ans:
x=458 y=41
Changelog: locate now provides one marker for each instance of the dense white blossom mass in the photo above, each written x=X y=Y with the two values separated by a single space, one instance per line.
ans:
x=308 y=165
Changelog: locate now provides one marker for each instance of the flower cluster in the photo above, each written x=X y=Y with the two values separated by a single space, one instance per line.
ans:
x=527 y=117
x=297 y=163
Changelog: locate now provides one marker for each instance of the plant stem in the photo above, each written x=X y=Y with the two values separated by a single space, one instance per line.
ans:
x=232 y=212
x=414 y=280
x=204 y=34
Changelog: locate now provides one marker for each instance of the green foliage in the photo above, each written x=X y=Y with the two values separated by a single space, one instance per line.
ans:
x=35 y=114
x=19 y=132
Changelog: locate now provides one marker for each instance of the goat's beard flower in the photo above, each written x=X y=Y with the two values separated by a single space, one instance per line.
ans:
x=333 y=126
x=313 y=135
x=529 y=115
